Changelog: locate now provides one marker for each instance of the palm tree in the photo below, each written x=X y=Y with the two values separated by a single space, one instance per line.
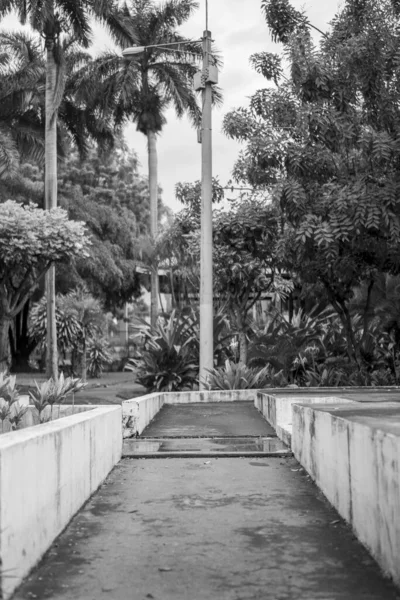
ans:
x=22 y=106
x=21 y=133
x=51 y=19
x=142 y=89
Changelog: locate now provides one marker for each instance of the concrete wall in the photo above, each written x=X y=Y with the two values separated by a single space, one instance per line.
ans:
x=31 y=417
x=277 y=410
x=353 y=455
x=46 y=473
x=211 y=396
x=137 y=413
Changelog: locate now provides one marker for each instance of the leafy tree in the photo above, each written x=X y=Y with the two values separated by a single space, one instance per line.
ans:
x=107 y=192
x=189 y=194
x=244 y=257
x=30 y=240
x=245 y=262
x=326 y=141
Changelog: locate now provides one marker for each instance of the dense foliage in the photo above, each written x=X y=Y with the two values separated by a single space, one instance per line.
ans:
x=325 y=140
x=30 y=240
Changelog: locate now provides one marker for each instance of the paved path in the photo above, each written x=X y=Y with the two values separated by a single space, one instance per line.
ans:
x=220 y=529
x=214 y=419
x=207 y=528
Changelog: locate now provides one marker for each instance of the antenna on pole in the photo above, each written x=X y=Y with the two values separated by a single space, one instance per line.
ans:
x=206 y=15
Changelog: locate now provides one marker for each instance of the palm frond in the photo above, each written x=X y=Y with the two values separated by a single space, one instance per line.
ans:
x=171 y=14
x=77 y=18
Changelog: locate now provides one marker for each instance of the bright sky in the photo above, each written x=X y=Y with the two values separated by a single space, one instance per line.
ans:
x=239 y=30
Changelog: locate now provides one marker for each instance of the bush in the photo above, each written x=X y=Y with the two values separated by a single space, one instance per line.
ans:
x=240 y=377
x=168 y=362
x=98 y=356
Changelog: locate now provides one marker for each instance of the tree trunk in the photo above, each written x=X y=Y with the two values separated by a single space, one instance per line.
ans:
x=50 y=192
x=340 y=306
x=5 y=323
x=243 y=347
x=21 y=345
x=367 y=311
x=83 y=361
x=243 y=344
x=153 y=188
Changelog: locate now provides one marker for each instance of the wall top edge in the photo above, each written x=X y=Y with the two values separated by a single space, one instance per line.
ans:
x=381 y=417
x=63 y=423
x=191 y=394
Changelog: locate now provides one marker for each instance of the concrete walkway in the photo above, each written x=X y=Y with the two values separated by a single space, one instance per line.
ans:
x=252 y=528
x=194 y=529
x=211 y=419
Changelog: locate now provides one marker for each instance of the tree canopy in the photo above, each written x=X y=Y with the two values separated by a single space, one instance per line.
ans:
x=325 y=140
x=30 y=241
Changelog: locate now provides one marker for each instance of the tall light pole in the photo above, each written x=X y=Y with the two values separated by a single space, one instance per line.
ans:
x=204 y=80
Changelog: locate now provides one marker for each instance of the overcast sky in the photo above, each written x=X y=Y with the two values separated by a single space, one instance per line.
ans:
x=239 y=30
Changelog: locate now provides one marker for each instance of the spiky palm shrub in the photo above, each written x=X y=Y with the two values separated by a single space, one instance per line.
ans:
x=98 y=356
x=169 y=360
x=241 y=377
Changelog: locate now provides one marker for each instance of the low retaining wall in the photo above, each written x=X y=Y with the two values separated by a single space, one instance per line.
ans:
x=278 y=410
x=211 y=396
x=31 y=417
x=353 y=455
x=139 y=412
x=46 y=473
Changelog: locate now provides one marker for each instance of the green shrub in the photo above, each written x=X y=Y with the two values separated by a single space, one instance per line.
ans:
x=168 y=361
x=98 y=356
x=240 y=377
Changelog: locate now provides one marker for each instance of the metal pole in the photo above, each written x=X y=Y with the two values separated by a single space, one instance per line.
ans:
x=206 y=262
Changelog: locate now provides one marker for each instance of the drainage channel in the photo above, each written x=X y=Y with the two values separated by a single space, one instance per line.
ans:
x=211 y=447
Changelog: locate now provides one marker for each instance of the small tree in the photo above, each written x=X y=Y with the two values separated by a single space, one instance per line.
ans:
x=245 y=265
x=30 y=241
